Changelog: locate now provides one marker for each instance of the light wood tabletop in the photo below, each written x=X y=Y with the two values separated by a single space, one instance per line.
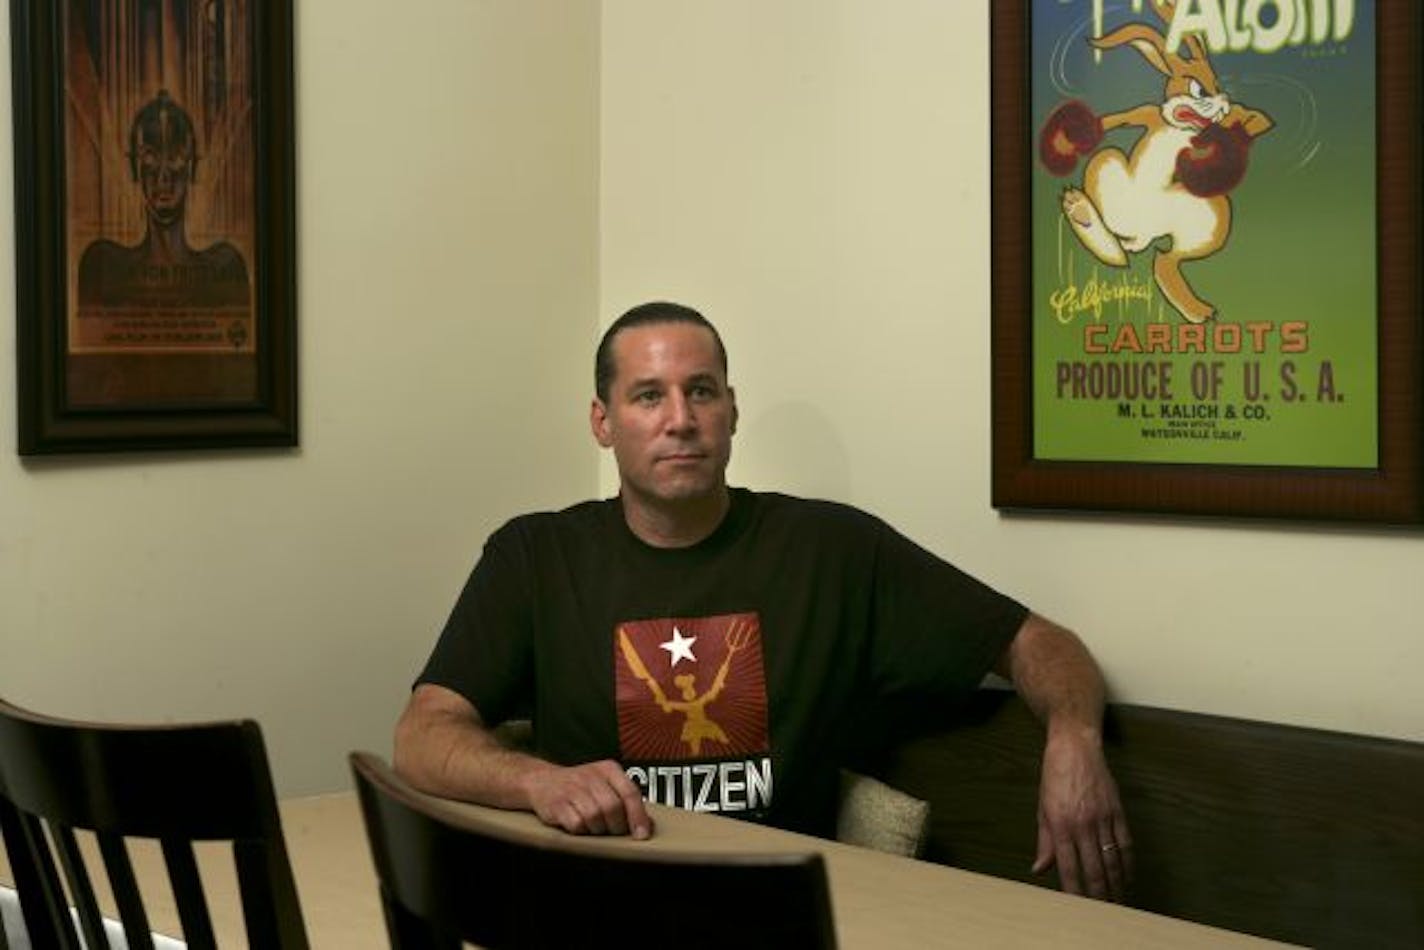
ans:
x=879 y=900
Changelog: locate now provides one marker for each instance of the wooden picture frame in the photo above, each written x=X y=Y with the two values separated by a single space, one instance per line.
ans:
x=1280 y=465
x=154 y=224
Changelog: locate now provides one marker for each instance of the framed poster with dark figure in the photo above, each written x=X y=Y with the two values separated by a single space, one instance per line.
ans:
x=155 y=233
x=1206 y=258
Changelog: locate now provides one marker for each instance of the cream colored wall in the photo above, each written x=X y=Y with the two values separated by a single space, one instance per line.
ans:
x=812 y=173
x=447 y=183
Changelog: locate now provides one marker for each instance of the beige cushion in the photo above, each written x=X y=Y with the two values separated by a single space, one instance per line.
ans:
x=875 y=815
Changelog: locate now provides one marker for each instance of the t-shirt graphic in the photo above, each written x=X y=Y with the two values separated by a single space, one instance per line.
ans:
x=692 y=711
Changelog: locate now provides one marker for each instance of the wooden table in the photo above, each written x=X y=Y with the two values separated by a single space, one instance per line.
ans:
x=879 y=900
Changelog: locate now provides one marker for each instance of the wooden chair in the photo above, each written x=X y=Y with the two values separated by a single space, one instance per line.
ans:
x=447 y=876
x=177 y=784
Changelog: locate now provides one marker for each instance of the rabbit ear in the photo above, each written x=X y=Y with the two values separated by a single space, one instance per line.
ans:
x=1144 y=39
x=1196 y=47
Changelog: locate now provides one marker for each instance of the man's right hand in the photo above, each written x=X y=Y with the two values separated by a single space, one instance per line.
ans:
x=597 y=798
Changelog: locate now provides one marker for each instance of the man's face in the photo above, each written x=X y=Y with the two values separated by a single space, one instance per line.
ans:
x=670 y=414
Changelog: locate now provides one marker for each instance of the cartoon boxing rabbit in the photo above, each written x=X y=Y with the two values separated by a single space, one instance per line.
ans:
x=1174 y=181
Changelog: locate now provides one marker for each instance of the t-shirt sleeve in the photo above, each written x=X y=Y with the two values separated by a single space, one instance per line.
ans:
x=936 y=631
x=485 y=651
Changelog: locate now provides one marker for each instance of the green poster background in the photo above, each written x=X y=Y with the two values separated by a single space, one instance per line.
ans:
x=1302 y=250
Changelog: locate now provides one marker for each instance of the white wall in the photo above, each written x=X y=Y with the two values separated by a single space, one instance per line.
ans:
x=813 y=175
x=447 y=183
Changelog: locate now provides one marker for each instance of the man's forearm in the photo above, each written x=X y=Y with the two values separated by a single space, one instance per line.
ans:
x=1056 y=676
x=1081 y=827
x=443 y=748
x=448 y=752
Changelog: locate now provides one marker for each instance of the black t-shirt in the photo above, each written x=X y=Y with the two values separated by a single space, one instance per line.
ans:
x=730 y=676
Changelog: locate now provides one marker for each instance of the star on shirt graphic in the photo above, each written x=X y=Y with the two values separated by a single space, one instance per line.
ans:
x=679 y=647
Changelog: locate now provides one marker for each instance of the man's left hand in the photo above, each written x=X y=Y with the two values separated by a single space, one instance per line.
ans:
x=1081 y=827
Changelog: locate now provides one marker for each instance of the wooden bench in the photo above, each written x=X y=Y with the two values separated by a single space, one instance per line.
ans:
x=1301 y=835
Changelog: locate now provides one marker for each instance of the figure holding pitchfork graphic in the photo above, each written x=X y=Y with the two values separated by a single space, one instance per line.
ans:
x=698 y=725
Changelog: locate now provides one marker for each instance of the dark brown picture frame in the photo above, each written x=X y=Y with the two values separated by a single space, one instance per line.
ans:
x=1390 y=493
x=111 y=399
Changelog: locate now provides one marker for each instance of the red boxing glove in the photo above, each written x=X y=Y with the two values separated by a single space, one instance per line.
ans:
x=1216 y=161
x=1070 y=130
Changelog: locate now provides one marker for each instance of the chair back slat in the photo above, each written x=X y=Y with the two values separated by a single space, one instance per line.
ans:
x=188 y=893
x=264 y=873
x=446 y=875
x=36 y=881
x=81 y=890
x=174 y=783
x=124 y=886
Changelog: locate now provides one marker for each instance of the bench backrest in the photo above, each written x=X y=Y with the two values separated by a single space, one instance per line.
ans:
x=1294 y=834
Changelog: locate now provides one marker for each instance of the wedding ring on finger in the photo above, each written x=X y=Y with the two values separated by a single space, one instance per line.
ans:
x=1110 y=846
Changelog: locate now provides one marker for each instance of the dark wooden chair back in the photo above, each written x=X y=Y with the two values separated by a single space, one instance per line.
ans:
x=174 y=783
x=446 y=876
x=1301 y=835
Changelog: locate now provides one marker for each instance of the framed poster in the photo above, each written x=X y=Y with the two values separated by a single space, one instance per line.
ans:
x=154 y=226
x=1206 y=292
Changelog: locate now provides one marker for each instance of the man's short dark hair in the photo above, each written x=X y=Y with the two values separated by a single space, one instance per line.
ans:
x=643 y=315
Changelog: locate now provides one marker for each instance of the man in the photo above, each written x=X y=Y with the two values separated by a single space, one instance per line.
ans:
x=718 y=649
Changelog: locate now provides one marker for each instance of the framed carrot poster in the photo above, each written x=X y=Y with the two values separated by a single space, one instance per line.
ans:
x=154 y=224
x=1206 y=222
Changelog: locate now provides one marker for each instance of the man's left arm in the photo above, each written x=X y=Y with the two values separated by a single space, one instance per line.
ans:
x=1081 y=827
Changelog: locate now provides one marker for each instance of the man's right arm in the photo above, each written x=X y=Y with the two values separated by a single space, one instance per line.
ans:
x=442 y=747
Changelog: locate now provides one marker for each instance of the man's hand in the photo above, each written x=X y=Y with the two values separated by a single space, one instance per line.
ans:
x=1081 y=827
x=597 y=798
